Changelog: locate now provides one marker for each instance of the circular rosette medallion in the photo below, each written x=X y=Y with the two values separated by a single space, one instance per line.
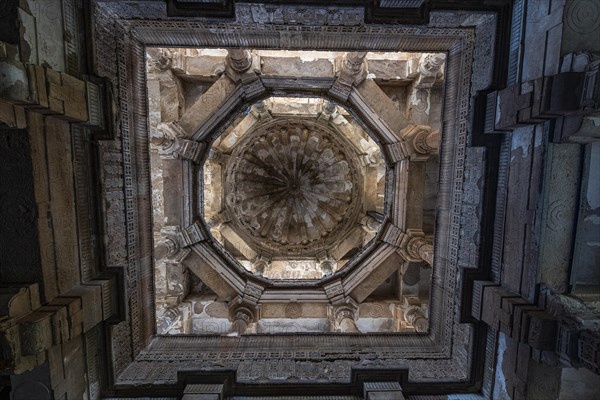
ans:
x=293 y=187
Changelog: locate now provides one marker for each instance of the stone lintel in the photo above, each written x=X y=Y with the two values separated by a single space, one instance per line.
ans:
x=382 y=391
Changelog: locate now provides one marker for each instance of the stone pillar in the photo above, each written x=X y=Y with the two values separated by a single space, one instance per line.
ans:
x=415 y=315
x=328 y=266
x=165 y=248
x=352 y=71
x=240 y=60
x=421 y=248
x=243 y=66
x=327 y=111
x=240 y=317
x=353 y=62
x=162 y=59
x=429 y=67
x=343 y=317
x=419 y=141
x=420 y=104
x=261 y=110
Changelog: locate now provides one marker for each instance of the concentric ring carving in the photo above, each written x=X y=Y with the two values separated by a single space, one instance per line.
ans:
x=293 y=187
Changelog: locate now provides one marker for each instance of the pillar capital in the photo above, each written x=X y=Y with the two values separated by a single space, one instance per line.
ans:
x=241 y=314
x=351 y=71
x=419 y=141
x=343 y=316
x=240 y=60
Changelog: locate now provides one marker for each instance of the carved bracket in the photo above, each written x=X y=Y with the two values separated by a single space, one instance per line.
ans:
x=351 y=71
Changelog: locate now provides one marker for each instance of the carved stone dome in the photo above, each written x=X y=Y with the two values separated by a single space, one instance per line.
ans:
x=293 y=185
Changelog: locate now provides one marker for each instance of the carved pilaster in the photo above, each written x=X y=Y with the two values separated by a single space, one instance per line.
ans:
x=244 y=67
x=343 y=317
x=241 y=314
x=415 y=315
x=420 y=248
x=430 y=66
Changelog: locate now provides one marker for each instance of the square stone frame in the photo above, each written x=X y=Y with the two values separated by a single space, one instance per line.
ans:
x=443 y=355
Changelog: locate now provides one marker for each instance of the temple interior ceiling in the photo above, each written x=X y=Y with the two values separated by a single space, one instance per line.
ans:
x=242 y=199
x=294 y=188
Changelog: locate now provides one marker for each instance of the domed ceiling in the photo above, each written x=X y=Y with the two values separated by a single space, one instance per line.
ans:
x=293 y=187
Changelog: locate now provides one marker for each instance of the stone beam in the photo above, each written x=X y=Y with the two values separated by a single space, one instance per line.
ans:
x=228 y=140
x=210 y=276
x=352 y=240
x=374 y=278
x=197 y=113
x=236 y=241
x=382 y=106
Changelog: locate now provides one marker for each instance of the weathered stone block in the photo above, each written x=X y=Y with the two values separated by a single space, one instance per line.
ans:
x=107 y=287
x=74 y=98
x=35 y=331
x=37 y=86
x=74 y=314
x=91 y=304
x=14 y=86
x=542 y=332
x=60 y=323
